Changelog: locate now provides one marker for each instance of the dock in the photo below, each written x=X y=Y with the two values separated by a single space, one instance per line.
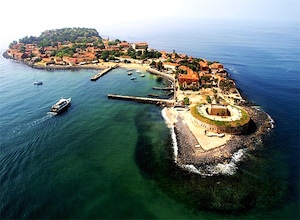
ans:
x=98 y=75
x=155 y=101
x=163 y=88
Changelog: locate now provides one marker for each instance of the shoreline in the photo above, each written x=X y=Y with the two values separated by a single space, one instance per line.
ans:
x=193 y=149
x=98 y=66
x=221 y=159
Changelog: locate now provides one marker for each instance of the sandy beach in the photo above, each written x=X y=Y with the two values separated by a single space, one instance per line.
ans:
x=206 y=143
x=104 y=65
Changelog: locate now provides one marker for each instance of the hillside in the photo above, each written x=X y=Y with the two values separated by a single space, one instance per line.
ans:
x=64 y=35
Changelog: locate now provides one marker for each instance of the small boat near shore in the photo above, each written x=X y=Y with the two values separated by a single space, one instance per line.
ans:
x=37 y=83
x=133 y=78
x=61 y=105
x=142 y=75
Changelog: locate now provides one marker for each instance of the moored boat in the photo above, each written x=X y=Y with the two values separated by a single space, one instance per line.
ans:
x=37 y=83
x=61 y=105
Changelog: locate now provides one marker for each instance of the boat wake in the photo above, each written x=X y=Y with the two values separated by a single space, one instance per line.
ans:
x=41 y=120
x=36 y=122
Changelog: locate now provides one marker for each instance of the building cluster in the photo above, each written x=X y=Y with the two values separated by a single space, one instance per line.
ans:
x=207 y=74
x=204 y=74
x=90 y=53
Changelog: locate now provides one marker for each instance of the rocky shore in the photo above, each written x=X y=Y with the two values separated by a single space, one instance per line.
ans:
x=260 y=126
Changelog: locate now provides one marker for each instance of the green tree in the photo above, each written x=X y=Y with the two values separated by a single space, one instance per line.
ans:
x=208 y=99
x=104 y=55
x=22 y=49
x=153 y=63
x=186 y=100
x=159 y=65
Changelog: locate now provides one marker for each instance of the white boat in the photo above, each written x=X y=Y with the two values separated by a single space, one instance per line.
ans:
x=138 y=71
x=129 y=73
x=37 y=83
x=142 y=75
x=61 y=105
x=133 y=78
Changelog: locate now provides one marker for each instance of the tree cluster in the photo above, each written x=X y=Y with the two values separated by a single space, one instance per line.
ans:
x=73 y=35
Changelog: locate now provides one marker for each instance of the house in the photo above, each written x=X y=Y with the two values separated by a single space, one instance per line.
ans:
x=113 y=48
x=72 y=61
x=20 y=56
x=204 y=65
x=189 y=80
x=142 y=46
x=170 y=66
x=124 y=45
x=47 y=61
x=216 y=66
x=183 y=56
x=59 y=61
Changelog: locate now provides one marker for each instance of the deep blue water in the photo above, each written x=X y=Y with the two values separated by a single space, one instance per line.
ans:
x=111 y=159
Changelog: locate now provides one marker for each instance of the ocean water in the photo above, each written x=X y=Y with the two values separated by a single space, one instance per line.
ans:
x=114 y=159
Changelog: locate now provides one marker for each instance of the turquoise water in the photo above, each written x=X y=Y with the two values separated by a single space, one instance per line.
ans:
x=113 y=159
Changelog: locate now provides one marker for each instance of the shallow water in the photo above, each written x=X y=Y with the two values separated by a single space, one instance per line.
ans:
x=114 y=159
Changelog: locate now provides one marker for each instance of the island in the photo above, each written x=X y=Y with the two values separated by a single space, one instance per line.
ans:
x=211 y=121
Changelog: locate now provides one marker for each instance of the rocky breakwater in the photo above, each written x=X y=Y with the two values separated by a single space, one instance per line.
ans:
x=202 y=161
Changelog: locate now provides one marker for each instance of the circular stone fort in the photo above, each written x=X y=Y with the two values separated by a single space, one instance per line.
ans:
x=221 y=118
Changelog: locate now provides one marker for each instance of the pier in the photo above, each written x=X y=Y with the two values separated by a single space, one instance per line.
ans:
x=142 y=99
x=163 y=88
x=98 y=75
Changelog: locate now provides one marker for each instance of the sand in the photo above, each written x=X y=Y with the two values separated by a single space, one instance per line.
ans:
x=206 y=143
x=104 y=65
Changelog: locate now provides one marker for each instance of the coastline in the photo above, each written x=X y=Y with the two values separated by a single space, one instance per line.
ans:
x=221 y=159
x=98 y=66
x=193 y=150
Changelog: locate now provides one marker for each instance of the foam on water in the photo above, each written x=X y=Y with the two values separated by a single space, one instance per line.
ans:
x=191 y=168
x=224 y=168
x=173 y=135
x=228 y=168
x=36 y=122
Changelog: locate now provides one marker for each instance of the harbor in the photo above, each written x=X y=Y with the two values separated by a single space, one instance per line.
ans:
x=103 y=72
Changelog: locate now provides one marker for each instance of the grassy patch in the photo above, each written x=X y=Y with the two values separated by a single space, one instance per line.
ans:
x=243 y=120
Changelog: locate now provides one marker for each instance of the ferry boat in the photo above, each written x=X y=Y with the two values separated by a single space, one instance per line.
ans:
x=61 y=105
x=38 y=83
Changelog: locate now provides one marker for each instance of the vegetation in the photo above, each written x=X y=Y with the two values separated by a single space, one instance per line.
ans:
x=186 y=101
x=208 y=99
x=245 y=118
x=64 y=35
x=226 y=85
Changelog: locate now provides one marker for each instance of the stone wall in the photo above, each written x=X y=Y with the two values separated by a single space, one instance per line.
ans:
x=222 y=129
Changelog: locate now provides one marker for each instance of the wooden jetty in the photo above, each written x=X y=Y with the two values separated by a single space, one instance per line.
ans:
x=98 y=75
x=142 y=99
